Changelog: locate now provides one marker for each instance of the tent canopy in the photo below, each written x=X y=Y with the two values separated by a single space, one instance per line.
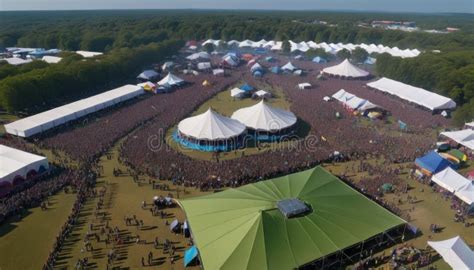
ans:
x=419 y=96
x=199 y=56
x=455 y=252
x=449 y=179
x=211 y=126
x=262 y=93
x=432 y=162
x=318 y=59
x=346 y=69
x=14 y=162
x=171 y=80
x=288 y=67
x=243 y=228
x=236 y=92
x=464 y=137
x=148 y=75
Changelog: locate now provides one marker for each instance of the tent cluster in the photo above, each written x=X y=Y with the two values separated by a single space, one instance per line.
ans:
x=453 y=182
x=17 y=165
x=352 y=102
x=41 y=122
x=346 y=70
x=419 y=96
x=464 y=137
x=304 y=46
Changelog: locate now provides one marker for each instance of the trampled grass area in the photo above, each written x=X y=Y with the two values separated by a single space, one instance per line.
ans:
x=26 y=243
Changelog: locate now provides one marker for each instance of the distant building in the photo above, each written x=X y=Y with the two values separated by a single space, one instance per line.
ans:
x=452 y=29
x=386 y=24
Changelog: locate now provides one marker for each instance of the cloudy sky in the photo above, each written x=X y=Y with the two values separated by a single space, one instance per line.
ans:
x=466 y=6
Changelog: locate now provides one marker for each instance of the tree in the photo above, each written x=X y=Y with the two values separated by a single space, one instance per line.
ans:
x=286 y=46
x=344 y=54
x=359 y=55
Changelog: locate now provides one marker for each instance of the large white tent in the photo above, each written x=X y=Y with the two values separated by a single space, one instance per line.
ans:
x=15 y=163
x=470 y=125
x=210 y=126
x=51 y=59
x=346 y=70
x=449 y=179
x=262 y=117
x=288 y=67
x=419 y=96
x=464 y=137
x=237 y=93
x=199 y=56
x=353 y=102
x=171 y=80
x=41 y=122
x=148 y=75
x=88 y=54
x=214 y=42
x=246 y=43
x=455 y=252
x=466 y=193
x=16 y=61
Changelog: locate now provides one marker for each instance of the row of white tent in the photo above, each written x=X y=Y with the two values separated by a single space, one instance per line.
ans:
x=212 y=126
x=452 y=181
x=15 y=163
x=41 y=122
x=464 y=137
x=305 y=46
x=353 y=102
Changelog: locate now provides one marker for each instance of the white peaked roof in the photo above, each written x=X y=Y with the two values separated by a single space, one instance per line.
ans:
x=14 y=162
x=211 y=126
x=246 y=43
x=265 y=118
x=471 y=124
x=16 y=61
x=198 y=55
x=455 y=252
x=237 y=92
x=352 y=101
x=51 y=59
x=278 y=46
x=214 y=42
x=289 y=67
x=256 y=66
x=171 y=80
x=270 y=43
x=464 y=137
x=449 y=179
x=233 y=42
x=204 y=65
x=217 y=71
x=346 y=69
x=259 y=43
x=413 y=94
x=88 y=54
x=342 y=96
x=304 y=85
x=466 y=193
x=38 y=123
x=262 y=93
x=148 y=74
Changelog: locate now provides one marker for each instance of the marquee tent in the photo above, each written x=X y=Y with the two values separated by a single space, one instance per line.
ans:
x=41 y=122
x=464 y=137
x=455 y=252
x=262 y=94
x=210 y=126
x=214 y=42
x=470 y=125
x=288 y=67
x=278 y=46
x=204 y=66
x=432 y=162
x=449 y=179
x=171 y=80
x=218 y=72
x=318 y=59
x=303 y=86
x=199 y=56
x=466 y=193
x=237 y=93
x=262 y=117
x=353 y=102
x=419 y=96
x=51 y=59
x=16 y=61
x=244 y=228
x=346 y=70
x=233 y=42
x=246 y=43
x=17 y=164
x=148 y=75
x=88 y=54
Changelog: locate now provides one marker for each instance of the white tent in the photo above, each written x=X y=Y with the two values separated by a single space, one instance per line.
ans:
x=246 y=43
x=14 y=163
x=210 y=126
x=218 y=71
x=346 y=70
x=470 y=125
x=265 y=118
x=237 y=93
x=303 y=86
x=449 y=179
x=214 y=42
x=233 y=42
x=16 y=61
x=256 y=67
x=262 y=94
x=455 y=252
x=171 y=80
x=466 y=193
x=41 y=122
x=342 y=96
x=413 y=94
x=51 y=59
x=278 y=46
x=199 y=56
x=288 y=67
x=167 y=65
x=353 y=102
x=88 y=54
x=148 y=75
x=204 y=65
x=231 y=60
x=269 y=44
x=464 y=137
x=259 y=43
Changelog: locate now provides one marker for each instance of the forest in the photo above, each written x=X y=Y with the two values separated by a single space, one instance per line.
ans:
x=127 y=36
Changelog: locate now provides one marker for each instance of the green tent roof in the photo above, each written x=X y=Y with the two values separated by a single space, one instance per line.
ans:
x=243 y=228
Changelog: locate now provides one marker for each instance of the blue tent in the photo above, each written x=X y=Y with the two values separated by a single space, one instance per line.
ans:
x=276 y=70
x=318 y=59
x=432 y=162
x=246 y=87
x=257 y=73
x=189 y=255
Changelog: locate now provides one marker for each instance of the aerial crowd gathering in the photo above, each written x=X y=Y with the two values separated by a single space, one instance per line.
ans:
x=332 y=129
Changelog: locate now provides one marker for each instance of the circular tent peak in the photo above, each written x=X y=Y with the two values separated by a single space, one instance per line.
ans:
x=262 y=117
x=346 y=70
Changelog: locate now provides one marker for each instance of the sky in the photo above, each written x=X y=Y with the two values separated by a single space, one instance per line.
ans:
x=464 y=6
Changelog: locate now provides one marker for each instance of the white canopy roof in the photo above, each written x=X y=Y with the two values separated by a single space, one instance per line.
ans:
x=464 y=137
x=210 y=126
x=455 y=252
x=237 y=92
x=88 y=54
x=262 y=93
x=51 y=59
x=466 y=193
x=352 y=101
x=16 y=61
x=471 y=124
x=204 y=65
x=263 y=117
x=413 y=94
x=233 y=42
x=214 y=42
x=246 y=43
x=37 y=123
x=449 y=179
x=304 y=85
x=171 y=80
x=198 y=55
x=289 y=67
x=14 y=162
x=346 y=69
x=278 y=46
x=148 y=74
x=217 y=71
